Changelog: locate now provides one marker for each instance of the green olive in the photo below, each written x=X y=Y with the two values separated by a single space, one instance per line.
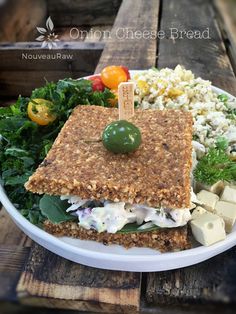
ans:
x=121 y=137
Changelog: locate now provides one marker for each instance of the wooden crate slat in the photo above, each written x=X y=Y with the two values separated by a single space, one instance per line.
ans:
x=87 y=307
x=99 y=33
x=89 y=12
x=22 y=83
x=12 y=259
x=76 y=282
x=206 y=57
x=20 y=73
x=211 y=281
x=14 y=250
x=18 y=19
x=134 y=53
x=226 y=12
x=10 y=234
x=75 y=56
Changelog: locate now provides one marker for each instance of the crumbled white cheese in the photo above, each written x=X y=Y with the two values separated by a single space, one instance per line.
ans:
x=179 y=89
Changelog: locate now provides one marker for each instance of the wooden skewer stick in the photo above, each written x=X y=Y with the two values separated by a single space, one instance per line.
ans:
x=126 y=100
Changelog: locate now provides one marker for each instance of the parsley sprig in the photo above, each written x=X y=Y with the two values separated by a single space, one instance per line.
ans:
x=216 y=165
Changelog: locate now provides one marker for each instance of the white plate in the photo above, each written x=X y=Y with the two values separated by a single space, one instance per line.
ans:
x=116 y=257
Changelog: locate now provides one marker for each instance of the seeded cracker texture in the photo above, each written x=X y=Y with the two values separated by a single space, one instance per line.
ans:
x=158 y=173
x=164 y=240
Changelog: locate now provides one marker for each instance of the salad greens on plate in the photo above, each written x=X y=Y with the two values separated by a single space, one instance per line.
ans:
x=24 y=143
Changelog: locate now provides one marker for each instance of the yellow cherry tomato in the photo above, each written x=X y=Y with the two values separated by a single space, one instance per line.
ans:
x=114 y=101
x=112 y=76
x=39 y=111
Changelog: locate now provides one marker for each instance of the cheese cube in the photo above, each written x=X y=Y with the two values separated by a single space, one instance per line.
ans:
x=227 y=211
x=198 y=211
x=216 y=188
x=229 y=195
x=208 y=229
x=208 y=199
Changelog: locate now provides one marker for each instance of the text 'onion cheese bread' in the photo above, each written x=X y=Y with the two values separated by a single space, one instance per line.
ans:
x=136 y=199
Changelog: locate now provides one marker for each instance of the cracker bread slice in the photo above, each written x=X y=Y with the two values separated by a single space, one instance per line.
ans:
x=164 y=240
x=157 y=174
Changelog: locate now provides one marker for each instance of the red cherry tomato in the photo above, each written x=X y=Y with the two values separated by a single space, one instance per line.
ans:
x=97 y=83
x=126 y=71
x=112 y=76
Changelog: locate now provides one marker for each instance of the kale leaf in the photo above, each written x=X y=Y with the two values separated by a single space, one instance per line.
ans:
x=24 y=144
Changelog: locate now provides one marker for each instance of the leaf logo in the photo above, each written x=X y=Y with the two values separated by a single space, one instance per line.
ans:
x=47 y=37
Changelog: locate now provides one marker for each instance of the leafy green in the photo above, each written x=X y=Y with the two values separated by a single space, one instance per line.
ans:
x=216 y=165
x=54 y=209
x=155 y=69
x=222 y=143
x=223 y=97
x=133 y=227
x=24 y=144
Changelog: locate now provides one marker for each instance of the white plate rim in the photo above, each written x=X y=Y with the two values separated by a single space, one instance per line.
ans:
x=136 y=262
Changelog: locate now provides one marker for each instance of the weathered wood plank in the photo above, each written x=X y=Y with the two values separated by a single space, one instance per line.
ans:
x=10 y=234
x=16 y=308
x=74 y=56
x=78 y=305
x=18 y=19
x=28 y=61
x=12 y=259
x=89 y=12
x=206 y=57
x=188 y=309
x=14 y=249
x=99 y=33
x=226 y=14
x=14 y=83
x=60 y=45
x=77 y=283
x=211 y=281
x=134 y=50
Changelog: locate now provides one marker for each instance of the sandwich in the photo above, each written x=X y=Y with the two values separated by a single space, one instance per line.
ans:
x=138 y=199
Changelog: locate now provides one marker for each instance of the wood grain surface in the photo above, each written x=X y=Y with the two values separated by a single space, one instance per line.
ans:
x=36 y=277
x=205 y=57
x=212 y=281
x=226 y=17
x=16 y=24
x=25 y=66
x=89 y=12
x=132 y=51
x=14 y=250
x=47 y=275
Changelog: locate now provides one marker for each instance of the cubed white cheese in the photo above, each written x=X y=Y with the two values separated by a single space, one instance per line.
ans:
x=208 y=199
x=198 y=211
x=208 y=229
x=216 y=188
x=192 y=206
x=229 y=195
x=227 y=211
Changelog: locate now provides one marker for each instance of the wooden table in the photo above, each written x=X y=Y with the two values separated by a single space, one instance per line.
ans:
x=31 y=275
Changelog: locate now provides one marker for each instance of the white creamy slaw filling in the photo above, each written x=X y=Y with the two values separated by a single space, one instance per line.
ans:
x=113 y=216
